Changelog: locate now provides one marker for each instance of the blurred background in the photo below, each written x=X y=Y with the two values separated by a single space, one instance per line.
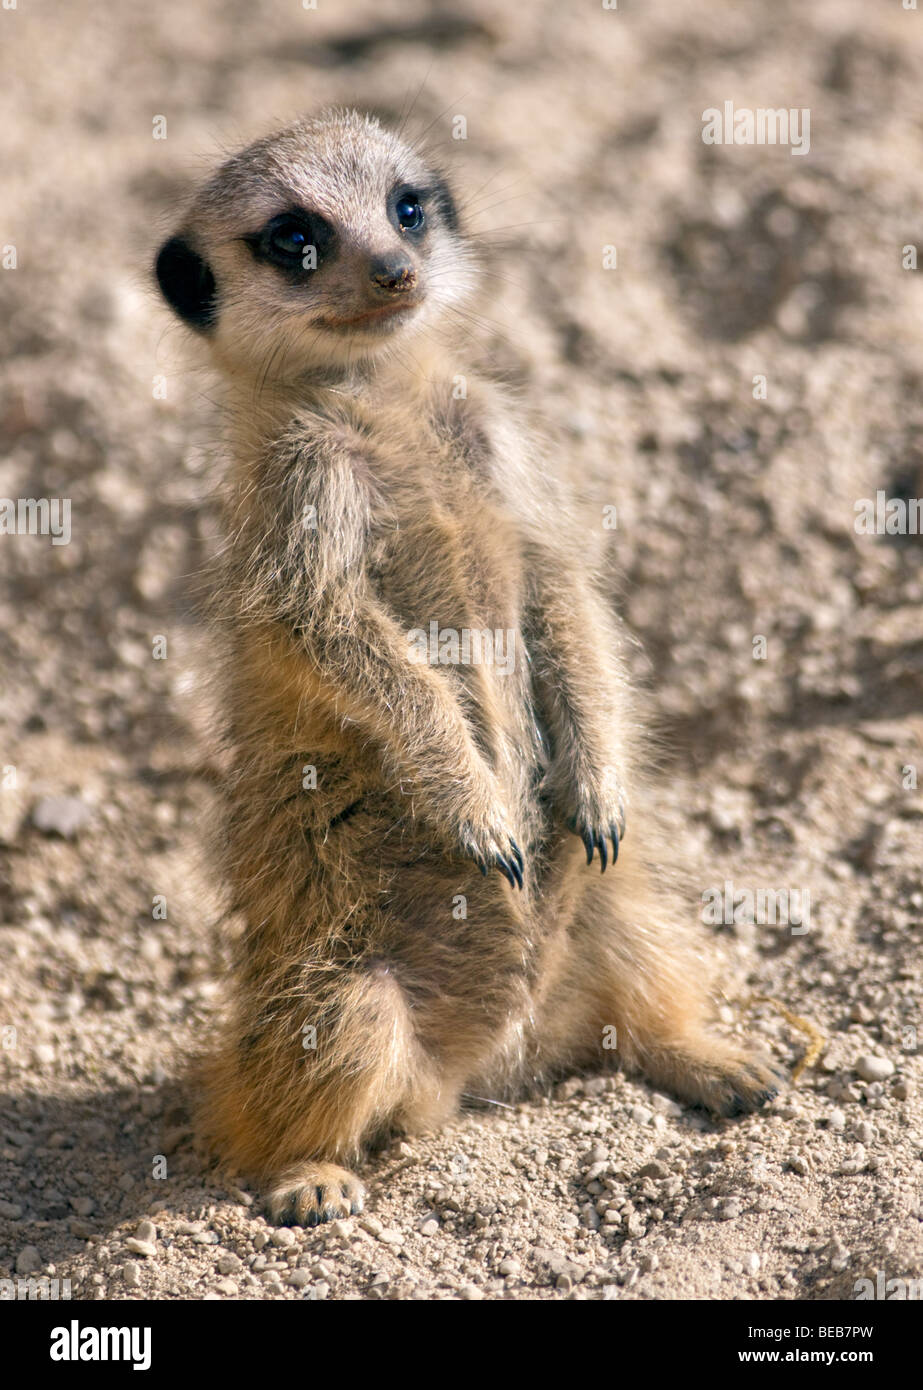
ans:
x=735 y=502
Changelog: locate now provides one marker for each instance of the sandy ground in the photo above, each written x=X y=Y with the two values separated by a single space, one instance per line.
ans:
x=735 y=521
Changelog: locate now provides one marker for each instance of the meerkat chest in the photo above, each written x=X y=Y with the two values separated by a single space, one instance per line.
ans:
x=443 y=547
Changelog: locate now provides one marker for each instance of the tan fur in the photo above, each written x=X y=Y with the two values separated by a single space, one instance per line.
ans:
x=427 y=507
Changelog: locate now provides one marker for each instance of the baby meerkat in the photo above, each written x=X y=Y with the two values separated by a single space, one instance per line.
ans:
x=408 y=792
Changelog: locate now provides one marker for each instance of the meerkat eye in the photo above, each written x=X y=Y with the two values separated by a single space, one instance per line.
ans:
x=409 y=213
x=295 y=240
x=289 y=239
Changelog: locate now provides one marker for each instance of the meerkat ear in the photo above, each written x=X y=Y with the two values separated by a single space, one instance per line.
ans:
x=186 y=282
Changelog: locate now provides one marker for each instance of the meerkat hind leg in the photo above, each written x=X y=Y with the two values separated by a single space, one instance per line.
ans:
x=632 y=970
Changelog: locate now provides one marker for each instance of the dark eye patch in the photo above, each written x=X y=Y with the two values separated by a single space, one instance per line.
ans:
x=288 y=239
x=440 y=196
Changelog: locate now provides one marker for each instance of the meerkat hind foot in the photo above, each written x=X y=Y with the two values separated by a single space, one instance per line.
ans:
x=723 y=1078
x=310 y=1193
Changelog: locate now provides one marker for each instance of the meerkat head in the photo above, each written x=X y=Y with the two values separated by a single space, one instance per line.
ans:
x=314 y=247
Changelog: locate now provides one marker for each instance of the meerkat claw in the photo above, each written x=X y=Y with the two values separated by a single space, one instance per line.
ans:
x=505 y=869
x=594 y=840
x=511 y=868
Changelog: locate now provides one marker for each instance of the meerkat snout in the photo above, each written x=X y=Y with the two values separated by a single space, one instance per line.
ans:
x=392 y=277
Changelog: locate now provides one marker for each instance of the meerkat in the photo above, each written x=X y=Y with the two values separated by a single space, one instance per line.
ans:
x=409 y=834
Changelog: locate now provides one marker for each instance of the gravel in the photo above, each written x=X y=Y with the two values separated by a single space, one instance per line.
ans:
x=735 y=519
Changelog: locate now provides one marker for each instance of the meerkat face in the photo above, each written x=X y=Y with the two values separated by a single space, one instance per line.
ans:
x=314 y=247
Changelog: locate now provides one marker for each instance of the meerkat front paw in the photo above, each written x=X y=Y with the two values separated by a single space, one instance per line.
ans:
x=493 y=849
x=480 y=832
x=314 y=1192
x=598 y=820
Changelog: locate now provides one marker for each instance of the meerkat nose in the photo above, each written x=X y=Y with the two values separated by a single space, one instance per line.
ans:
x=392 y=277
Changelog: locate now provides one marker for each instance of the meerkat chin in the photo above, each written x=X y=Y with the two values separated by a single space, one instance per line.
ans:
x=409 y=840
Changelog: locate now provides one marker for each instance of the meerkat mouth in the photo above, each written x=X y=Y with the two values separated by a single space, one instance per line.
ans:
x=378 y=315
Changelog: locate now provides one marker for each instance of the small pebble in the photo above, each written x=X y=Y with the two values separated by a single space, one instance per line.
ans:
x=872 y=1068
x=28 y=1261
x=131 y=1274
x=141 y=1247
x=61 y=815
x=851 y=1168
